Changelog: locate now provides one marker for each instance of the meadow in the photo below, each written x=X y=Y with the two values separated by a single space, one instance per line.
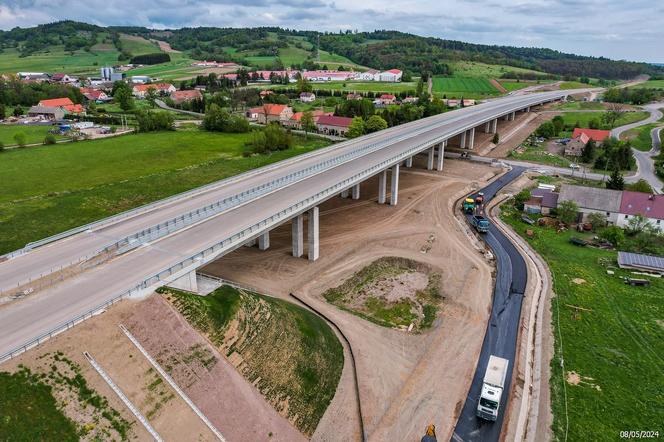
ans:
x=33 y=134
x=463 y=86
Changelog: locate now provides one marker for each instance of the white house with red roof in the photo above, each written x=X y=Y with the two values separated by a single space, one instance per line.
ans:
x=141 y=90
x=92 y=94
x=393 y=75
x=645 y=204
x=269 y=113
x=333 y=125
x=180 y=97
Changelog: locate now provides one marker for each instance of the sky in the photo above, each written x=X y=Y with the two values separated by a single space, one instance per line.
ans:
x=618 y=29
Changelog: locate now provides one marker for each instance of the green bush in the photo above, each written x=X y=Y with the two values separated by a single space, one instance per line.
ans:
x=20 y=138
x=154 y=121
x=49 y=139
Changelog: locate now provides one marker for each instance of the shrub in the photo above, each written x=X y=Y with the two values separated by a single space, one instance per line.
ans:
x=154 y=121
x=612 y=234
x=49 y=139
x=20 y=139
x=496 y=138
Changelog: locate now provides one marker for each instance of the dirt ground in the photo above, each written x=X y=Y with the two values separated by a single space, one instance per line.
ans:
x=406 y=381
x=102 y=338
x=519 y=132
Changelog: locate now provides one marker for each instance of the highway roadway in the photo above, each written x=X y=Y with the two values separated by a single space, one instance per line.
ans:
x=503 y=326
x=39 y=313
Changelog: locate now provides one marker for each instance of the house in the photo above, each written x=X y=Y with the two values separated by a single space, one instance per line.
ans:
x=92 y=94
x=61 y=78
x=451 y=102
x=386 y=99
x=353 y=96
x=141 y=90
x=50 y=113
x=329 y=75
x=295 y=120
x=393 y=75
x=269 y=113
x=333 y=125
x=370 y=75
x=594 y=134
x=575 y=147
x=36 y=77
x=64 y=103
x=265 y=93
x=180 y=97
x=307 y=97
x=645 y=204
x=541 y=201
x=410 y=99
x=141 y=79
x=591 y=200
x=468 y=102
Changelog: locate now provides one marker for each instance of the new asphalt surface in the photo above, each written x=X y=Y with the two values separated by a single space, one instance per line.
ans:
x=502 y=327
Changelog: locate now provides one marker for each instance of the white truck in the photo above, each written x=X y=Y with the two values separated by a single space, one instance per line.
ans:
x=492 y=388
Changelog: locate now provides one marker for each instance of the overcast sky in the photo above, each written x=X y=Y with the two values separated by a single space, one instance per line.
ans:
x=619 y=29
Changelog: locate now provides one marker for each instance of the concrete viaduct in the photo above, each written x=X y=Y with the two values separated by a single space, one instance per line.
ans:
x=169 y=240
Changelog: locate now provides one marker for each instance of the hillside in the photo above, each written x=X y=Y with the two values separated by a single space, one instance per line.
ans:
x=80 y=47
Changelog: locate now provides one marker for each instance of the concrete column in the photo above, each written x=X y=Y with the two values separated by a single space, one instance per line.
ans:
x=471 y=138
x=382 y=187
x=512 y=116
x=264 y=241
x=506 y=117
x=462 y=142
x=394 y=187
x=298 y=236
x=441 y=152
x=431 y=153
x=356 y=192
x=494 y=126
x=487 y=127
x=344 y=194
x=409 y=162
x=528 y=109
x=250 y=243
x=186 y=282
x=312 y=233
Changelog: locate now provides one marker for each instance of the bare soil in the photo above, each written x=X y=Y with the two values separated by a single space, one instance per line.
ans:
x=406 y=381
x=520 y=132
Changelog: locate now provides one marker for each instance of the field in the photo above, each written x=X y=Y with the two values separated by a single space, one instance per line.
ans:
x=33 y=134
x=291 y=355
x=179 y=67
x=467 y=87
x=483 y=70
x=610 y=336
x=515 y=85
x=640 y=137
x=651 y=84
x=50 y=189
x=579 y=105
x=583 y=118
x=574 y=85
x=354 y=86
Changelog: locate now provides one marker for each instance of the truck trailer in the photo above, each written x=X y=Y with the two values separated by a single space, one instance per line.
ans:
x=488 y=405
x=480 y=223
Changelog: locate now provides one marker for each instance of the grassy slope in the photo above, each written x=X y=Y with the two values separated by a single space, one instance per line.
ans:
x=33 y=134
x=288 y=352
x=650 y=84
x=515 y=85
x=579 y=105
x=483 y=70
x=640 y=137
x=584 y=117
x=468 y=87
x=28 y=410
x=89 y=180
x=619 y=343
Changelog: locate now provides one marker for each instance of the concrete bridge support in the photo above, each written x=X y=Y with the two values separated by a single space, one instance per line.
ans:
x=264 y=241
x=512 y=116
x=345 y=193
x=313 y=233
x=494 y=126
x=356 y=192
x=298 y=236
x=409 y=162
x=471 y=138
x=487 y=127
x=382 y=187
x=430 y=157
x=186 y=282
x=462 y=142
x=441 y=152
x=394 y=185
x=506 y=117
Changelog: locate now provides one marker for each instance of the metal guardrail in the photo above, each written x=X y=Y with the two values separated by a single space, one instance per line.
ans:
x=235 y=239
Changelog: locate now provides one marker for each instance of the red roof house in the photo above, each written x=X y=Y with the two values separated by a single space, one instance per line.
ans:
x=331 y=124
x=595 y=134
x=183 y=96
x=638 y=203
x=64 y=103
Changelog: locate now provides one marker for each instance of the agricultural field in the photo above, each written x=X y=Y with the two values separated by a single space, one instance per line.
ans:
x=650 y=84
x=90 y=180
x=609 y=335
x=583 y=118
x=178 y=68
x=483 y=70
x=354 y=86
x=289 y=354
x=579 y=105
x=33 y=134
x=467 y=87
x=515 y=85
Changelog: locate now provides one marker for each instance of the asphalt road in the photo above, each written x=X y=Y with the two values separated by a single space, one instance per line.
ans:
x=502 y=327
x=39 y=313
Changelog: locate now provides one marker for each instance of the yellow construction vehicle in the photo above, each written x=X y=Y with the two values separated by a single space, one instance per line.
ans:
x=430 y=435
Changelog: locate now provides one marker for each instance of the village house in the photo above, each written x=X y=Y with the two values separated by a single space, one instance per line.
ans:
x=574 y=148
x=269 y=113
x=65 y=104
x=307 y=97
x=645 y=204
x=354 y=96
x=49 y=113
x=62 y=78
x=180 y=97
x=410 y=99
x=385 y=100
x=96 y=95
x=594 y=134
x=36 y=77
x=593 y=200
x=265 y=93
x=141 y=90
x=333 y=125
x=542 y=200
x=295 y=121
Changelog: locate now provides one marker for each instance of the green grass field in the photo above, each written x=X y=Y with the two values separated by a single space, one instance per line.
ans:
x=354 y=86
x=463 y=86
x=615 y=345
x=583 y=118
x=50 y=189
x=483 y=70
x=640 y=137
x=574 y=85
x=515 y=85
x=579 y=105
x=33 y=134
x=178 y=68
x=650 y=84
x=288 y=353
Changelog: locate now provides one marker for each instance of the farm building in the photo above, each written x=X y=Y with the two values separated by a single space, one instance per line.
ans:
x=179 y=97
x=645 y=204
x=594 y=134
x=393 y=75
x=575 y=147
x=541 y=201
x=592 y=200
x=50 y=113
x=332 y=125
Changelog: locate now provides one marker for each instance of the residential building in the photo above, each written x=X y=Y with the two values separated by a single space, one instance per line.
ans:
x=333 y=125
x=265 y=93
x=353 y=96
x=645 y=204
x=50 y=113
x=591 y=200
x=61 y=78
x=575 y=147
x=594 y=134
x=180 y=97
x=307 y=97
x=64 y=103
x=393 y=75
x=387 y=99
x=269 y=113
x=141 y=90
x=541 y=201
x=295 y=120
x=410 y=99
x=370 y=75
x=92 y=94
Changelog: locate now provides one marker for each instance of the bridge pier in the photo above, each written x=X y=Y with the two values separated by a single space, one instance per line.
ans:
x=431 y=152
x=441 y=152
x=487 y=127
x=186 y=282
x=409 y=162
x=264 y=241
x=462 y=142
x=356 y=192
x=471 y=138
x=512 y=116
x=298 y=235
x=506 y=117
x=344 y=194
x=382 y=187
x=494 y=126
x=394 y=185
x=313 y=233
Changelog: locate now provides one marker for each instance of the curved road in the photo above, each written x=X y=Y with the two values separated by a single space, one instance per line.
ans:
x=502 y=328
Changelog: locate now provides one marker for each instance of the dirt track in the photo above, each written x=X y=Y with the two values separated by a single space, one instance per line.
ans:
x=406 y=380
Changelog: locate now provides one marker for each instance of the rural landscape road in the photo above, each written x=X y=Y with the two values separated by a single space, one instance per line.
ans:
x=502 y=328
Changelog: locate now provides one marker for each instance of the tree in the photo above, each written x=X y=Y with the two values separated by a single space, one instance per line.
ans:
x=637 y=224
x=308 y=123
x=588 y=153
x=154 y=121
x=18 y=111
x=641 y=186
x=594 y=124
x=597 y=219
x=215 y=118
x=496 y=138
x=375 y=123
x=520 y=198
x=567 y=211
x=356 y=128
x=303 y=85
x=151 y=96
x=616 y=181
x=2 y=111
x=558 y=123
x=612 y=234
x=49 y=139
x=546 y=130
x=613 y=114
x=123 y=96
x=20 y=139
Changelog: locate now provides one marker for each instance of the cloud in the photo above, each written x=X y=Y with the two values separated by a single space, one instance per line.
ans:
x=611 y=28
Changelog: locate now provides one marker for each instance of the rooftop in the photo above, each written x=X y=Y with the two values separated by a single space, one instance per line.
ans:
x=638 y=203
x=595 y=198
